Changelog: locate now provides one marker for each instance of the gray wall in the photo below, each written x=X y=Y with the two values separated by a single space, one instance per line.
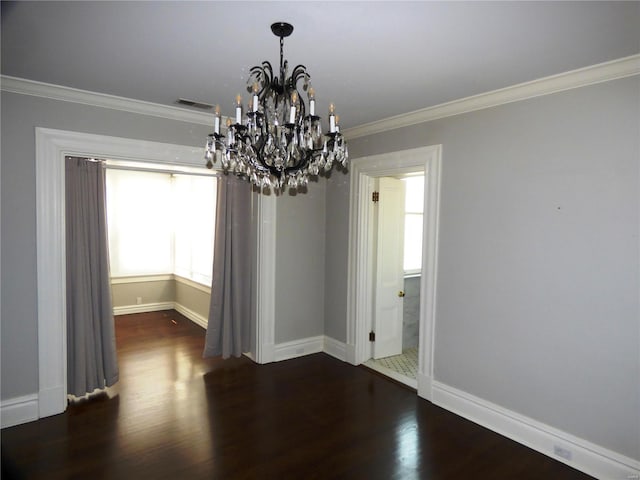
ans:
x=537 y=302
x=300 y=254
x=162 y=291
x=155 y=291
x=337 y=247
x=192 y=298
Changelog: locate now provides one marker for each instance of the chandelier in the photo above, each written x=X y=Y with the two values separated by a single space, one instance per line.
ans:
x=279 y=142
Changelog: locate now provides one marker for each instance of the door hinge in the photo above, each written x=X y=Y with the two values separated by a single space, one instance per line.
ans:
x=372 y=336
x=375 y=197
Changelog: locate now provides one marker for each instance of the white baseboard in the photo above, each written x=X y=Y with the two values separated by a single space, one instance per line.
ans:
x=425 y=386
x=335 y=348
x=157 y=307
x=191 y=315
x=299 y=348
x=145 y=307
x=16 y=411
x=266 y=354
x=582 y=455
x=350 y=354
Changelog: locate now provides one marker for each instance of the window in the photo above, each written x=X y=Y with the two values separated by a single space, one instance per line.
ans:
x=194 y=226
x=160 y=223
x=413 y=213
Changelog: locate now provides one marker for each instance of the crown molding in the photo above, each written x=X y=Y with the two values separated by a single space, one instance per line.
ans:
x=602 y=72
x=23 y=86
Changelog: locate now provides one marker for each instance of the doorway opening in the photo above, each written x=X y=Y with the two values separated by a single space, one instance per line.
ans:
x=398 y=211
x=363 y=249
x=51 y=148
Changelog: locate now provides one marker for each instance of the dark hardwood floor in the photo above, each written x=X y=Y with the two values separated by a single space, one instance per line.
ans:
x=176 y=415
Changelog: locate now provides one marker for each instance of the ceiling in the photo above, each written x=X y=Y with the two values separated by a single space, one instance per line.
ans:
x=372 y=59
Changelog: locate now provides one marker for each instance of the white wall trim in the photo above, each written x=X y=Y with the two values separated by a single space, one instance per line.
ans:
x=191 y=315
x=299 y=348
x=51 y=148
x=143 y=307
x=425 y=383
x=192 y=284
x=51 y=271
x=266 y=274
x=603 y=72
x=359 y=282
x=585 y=456
x=141 y=279
x=23 y=86
x=335 y=348
x=16 y=411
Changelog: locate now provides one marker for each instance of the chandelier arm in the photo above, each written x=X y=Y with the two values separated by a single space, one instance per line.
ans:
x=264 y=77
x=274 y=146
x=299 y=70
x=304 y=161
x=260 y=165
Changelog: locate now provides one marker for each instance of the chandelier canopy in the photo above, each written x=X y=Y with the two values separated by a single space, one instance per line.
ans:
x=279 y=142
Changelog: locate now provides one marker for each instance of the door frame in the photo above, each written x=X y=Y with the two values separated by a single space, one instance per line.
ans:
x=361 y=255
x=51 y=148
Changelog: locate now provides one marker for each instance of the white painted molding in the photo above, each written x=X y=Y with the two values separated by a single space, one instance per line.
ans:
x=191 y=315
x=192 y=284
x=160 y=306
x=51 y=270
x=299 y=348
x=141 y=279
x=19 y=410
x=335 y=348
x=265 y=278
x=585 y=456
x=603 y=72
x=429 y=275
x=144 y=307
x=350 y=354
x=425 y=385
x=67 y=94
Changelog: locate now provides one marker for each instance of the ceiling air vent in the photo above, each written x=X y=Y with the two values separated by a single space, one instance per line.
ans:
x=191 y=103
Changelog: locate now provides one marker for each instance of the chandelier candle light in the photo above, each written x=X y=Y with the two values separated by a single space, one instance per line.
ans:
x=279 y=142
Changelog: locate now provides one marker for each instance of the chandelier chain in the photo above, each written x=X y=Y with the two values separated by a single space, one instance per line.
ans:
x=282 y=72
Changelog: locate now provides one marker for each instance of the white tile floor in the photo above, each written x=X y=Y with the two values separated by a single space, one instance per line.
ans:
x=403 y=368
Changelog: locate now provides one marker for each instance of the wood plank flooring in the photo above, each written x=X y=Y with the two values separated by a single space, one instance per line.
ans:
x=176 y=415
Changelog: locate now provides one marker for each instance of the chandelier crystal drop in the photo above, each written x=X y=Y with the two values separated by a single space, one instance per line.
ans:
x=278 y=143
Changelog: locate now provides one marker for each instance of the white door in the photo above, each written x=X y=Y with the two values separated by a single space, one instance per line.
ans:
x=389 y=269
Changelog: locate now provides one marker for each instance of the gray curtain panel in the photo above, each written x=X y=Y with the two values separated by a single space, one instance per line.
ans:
x=229 y=328
x=91 y=341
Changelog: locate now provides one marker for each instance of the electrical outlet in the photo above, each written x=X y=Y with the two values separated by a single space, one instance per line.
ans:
x=562 y=452
x=138 y=300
